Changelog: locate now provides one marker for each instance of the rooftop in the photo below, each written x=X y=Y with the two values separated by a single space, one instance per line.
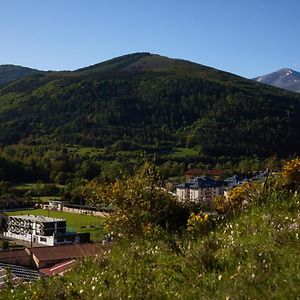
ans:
x=234 y=178
x=37 y=218
x=59 y=268
x=12 y=254
x=204 y=171
x=201 y=182
x=65 y=252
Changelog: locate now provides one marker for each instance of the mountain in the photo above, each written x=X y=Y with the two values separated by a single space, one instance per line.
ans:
x=11 y=72
x=285 y=78
x=147 y=99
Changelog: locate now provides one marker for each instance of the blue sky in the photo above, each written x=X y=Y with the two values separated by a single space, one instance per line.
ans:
x=246 y=37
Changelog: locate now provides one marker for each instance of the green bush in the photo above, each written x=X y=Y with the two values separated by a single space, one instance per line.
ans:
x=139 y=202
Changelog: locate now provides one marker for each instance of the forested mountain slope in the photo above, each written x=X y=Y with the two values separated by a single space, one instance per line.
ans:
x=144 y=99
x=11 y=72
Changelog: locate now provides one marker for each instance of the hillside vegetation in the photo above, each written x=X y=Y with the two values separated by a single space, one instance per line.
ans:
x=11 y=72
x=250 y=252
x=144 y=99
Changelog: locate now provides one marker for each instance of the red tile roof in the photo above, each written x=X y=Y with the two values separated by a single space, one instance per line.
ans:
x=203 y=171
x=59 y=269
x=65 y=252
x=13 y=254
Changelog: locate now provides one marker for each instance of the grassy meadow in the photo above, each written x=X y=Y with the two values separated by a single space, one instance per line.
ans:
x=254 y=255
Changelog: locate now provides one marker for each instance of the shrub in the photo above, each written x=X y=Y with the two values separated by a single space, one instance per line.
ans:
x=237 y=198
x=139 y=202
x=198 y=223
x=291 y=170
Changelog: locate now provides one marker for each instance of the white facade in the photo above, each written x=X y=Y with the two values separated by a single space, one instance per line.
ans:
x=200 y=190
x=200 y=195
x=37 y=229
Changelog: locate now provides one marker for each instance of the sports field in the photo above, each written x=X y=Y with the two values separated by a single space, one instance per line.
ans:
x=75 y=222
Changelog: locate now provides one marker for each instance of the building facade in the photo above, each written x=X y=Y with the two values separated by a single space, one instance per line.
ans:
x=200 y=190
x=39 y=229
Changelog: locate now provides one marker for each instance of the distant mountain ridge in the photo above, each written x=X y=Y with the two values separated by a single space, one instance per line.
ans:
x=12 y=72
x=287 y=79
x=145 y=99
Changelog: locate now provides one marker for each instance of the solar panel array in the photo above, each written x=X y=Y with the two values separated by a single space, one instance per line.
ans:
x=20 y=272
x=4 y=277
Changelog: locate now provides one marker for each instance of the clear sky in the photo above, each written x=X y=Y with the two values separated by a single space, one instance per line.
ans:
x=246 y=37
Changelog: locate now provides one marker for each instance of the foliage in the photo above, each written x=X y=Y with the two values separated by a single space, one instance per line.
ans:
x=11 y=72
x=4 y=245
x=236 y=198
x=198 y=222
x=138 y=202
x=291 y=170
x=253 y=255
x=144 y=99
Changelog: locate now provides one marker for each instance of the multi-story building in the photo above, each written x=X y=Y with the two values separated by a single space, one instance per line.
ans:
x=200 y=190
x=40 y=229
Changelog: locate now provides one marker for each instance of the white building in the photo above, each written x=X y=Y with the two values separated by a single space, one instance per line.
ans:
x=38 y=229
x=200 y=190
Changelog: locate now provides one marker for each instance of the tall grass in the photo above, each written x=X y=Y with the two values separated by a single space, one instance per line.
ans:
x=254 y=255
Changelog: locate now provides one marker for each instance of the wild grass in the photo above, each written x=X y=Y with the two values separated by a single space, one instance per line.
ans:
x=254 y=255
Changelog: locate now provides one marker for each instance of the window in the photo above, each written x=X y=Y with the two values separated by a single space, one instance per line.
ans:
x=42 y=239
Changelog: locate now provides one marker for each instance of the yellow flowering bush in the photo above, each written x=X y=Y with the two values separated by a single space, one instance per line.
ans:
x=236 y=199
x=239 y=196
x=291 y=170
x=139 y=203
x=221 y=204
x=197 y=222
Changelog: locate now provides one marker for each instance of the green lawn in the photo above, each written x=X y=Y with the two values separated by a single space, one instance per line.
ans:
x=75 y=222
x=46 y=199
x=36 y=185
x=185 y=152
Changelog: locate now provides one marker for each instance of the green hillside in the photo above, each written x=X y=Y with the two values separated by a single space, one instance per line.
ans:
x=143 y=99
x=11 y=72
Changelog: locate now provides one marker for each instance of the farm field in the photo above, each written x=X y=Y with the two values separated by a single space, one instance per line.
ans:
x=75 y=222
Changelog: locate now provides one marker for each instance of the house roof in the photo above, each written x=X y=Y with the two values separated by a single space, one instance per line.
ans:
x=13 y=254
x=201 y=182
x=260 y=176
x=3 y=277
x=234 y=178
x=203 y=171
x=36 y=218
x=59 y=269
x=65 y=252
x=22 y=273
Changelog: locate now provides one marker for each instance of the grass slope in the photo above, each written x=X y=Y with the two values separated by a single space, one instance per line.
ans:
x=252 y=256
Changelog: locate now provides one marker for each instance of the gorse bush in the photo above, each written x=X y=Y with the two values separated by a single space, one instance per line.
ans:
x=291 y=170
x=140 y=203
x=274 y=186
x=198 y=223
x=236 y=199
x=253 y=255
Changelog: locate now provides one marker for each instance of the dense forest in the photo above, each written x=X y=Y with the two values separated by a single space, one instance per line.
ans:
x=12 y=72
x=142 y=103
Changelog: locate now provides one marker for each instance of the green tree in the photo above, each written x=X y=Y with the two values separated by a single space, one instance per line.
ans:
x=139 y=203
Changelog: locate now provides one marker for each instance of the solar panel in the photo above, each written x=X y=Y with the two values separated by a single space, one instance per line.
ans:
x=21 y=272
